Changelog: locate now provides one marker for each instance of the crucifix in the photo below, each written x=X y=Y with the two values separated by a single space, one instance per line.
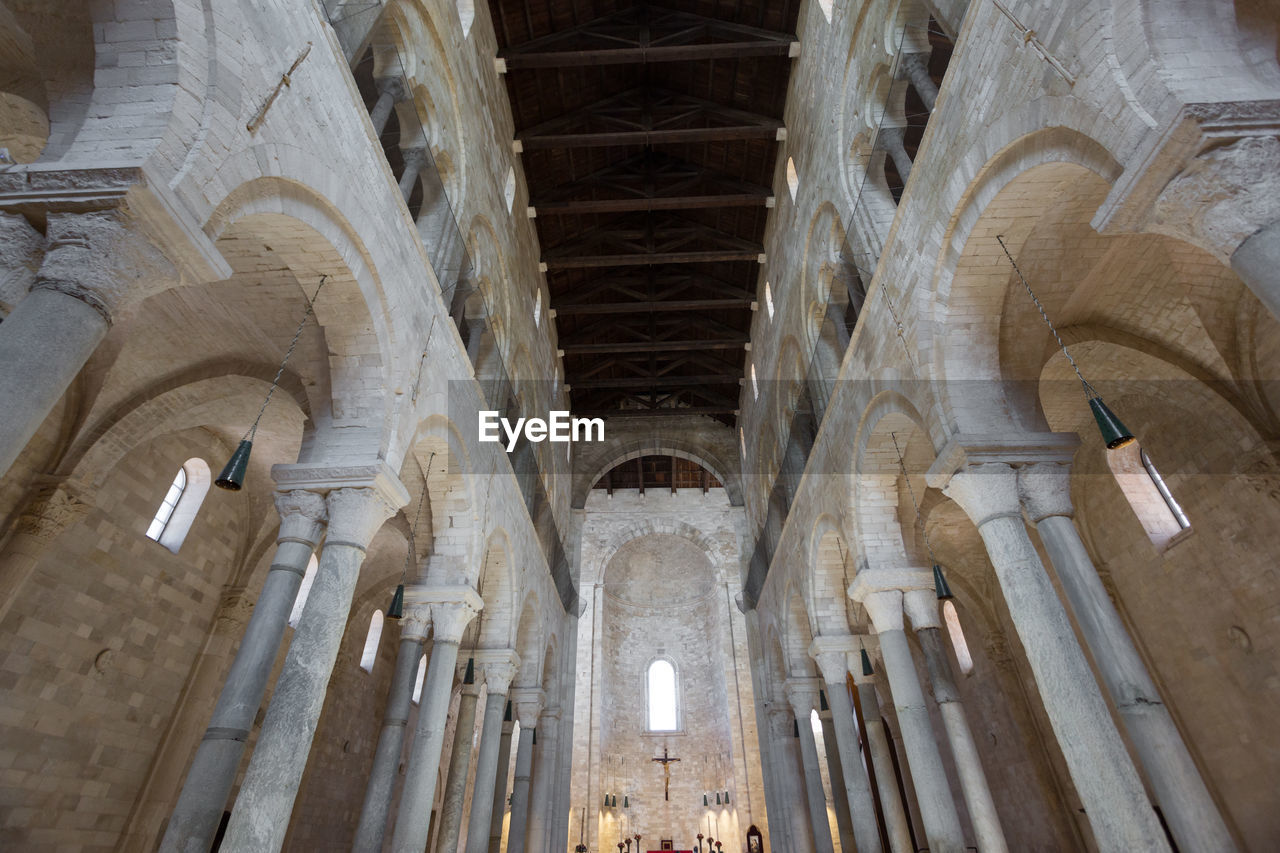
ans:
x=666 y=761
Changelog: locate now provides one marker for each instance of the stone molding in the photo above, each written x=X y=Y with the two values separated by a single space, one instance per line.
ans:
x=869 y=581
x=1018 y=449
x=323 y=478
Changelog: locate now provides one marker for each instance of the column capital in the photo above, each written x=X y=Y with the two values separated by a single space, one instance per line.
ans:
x=921 y=606
x=831 y=653
x=472 y=689
x=50 y=512
x=528 y=702
x=324 y=477
x=452 y=608
x=1045 y=490
x=1014 y=449
x=499 y=666
x=802 y=693
x=101 y=259
x=393 y=87
x=302 y=516
x=416 y=622
x=355 y=515
x=870 y=581
x=885 y=609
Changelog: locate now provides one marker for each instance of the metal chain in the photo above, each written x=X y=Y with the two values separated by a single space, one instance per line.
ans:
x=919 y=519
x=1089 y=391
x=311 y=307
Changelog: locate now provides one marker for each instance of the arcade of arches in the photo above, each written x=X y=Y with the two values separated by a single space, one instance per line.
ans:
x=936 y=344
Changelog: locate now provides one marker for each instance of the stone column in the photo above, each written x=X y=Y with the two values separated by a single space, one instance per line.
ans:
x=528 y=705
x=896 y=824
x=261 y=813
x=1194 y=819
x=831 y=655
x=891 y=140
x=921 y=605
x=498 y=667
x=212 y=774
x=794 y=803
x=937 y=809
x=839 y=793
x=1100 y=767
x=1257 y=262
x=372 y=825
x=452 y=608
x=915 y=67
x=95 y=267
x=499 y=810
x=390 y=92
x=803 y=695
x=455 y=784
x=415 y=160
x=543 y=781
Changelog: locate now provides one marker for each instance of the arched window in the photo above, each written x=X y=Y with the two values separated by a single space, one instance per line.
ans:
x=419 y=679
x=958 y=643
x=537 y=316
x=509 y=190
x=370 y=654
x=755 y=385
x=300 y=601
x=661 y=695
x=793 y=179
x=768 y=299
x=178 y=510
x=1148 y=494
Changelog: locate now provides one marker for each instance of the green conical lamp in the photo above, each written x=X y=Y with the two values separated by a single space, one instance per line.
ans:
x=469 y=677
x=396 y=610
x=867 y=668
x=232 y=476
x=1114 y=432
x=940 y=585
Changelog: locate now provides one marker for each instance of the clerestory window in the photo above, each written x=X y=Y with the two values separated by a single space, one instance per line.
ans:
x=178 y=510
x=663 y=713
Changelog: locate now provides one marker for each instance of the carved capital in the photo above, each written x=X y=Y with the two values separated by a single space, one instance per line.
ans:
x=528 y=703
x=1045 y=489
x=498 y=667
x=985 y=492
x=885 y=609
x=21 y=251
x=833 y=665
x=302 y=515
x=1223 y=196
x=49 y=514
x=802 y=693
x=416 y=622
x=102 y=259
x=921 y=607
x=356 y=514
x=234 y=609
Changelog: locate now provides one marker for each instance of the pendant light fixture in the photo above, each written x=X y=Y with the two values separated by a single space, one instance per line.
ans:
x=1114 y=433
x=233 y=473
x=867 y=668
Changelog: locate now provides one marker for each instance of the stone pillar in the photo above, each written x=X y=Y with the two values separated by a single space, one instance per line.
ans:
x=95 y=267
x=891 y=139
x=498 y=667
x=415 y=160
x=937 y=809
x=897 y=825
x=915 y=67
x=261 y=813
x=1257 y=262
x=390 y=92
x=499 y=810
x=543 y=781
x=1100 y=767
x=452 y=608
x=212 y=774
x=372 y=825
x=528 y=705
x=921 y=605
x=455 y=784
x=803 y=695
x=1194 y=819
x=839 y=793
x=831 y=655
x=794 y=803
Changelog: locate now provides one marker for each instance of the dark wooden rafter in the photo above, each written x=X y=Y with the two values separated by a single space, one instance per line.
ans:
x=650 y=183
x=648 y=116
x=647 y=34
x=669 y=240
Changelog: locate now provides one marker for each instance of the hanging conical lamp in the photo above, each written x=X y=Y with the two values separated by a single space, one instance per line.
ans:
x=940 y=585
x=1114 y=433
x=233 y=473
x=469 y=677
x=396 y=610
x=867 y=668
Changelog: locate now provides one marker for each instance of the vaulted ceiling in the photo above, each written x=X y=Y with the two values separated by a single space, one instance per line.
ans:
x=649 y=136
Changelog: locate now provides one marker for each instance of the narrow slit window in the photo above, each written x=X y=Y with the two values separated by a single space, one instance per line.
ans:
x=178 y=510
x=370 y=654
x=419 y=679
x=300 y=601
x=168 y=505
x=958 y=643
x=662 y=715
x=755 y=385
x=768 y=299
x=1163 y=489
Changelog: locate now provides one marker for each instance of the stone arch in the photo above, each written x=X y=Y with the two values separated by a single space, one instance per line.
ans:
x=798 y=634
x=441 y=454
x=306 y=230
x=877 y=495
x=24 y=98
x=719 y=456
x=658 y=526
x=972 y=275
x=497 y=583
x=831 y=570
x=529 y=645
